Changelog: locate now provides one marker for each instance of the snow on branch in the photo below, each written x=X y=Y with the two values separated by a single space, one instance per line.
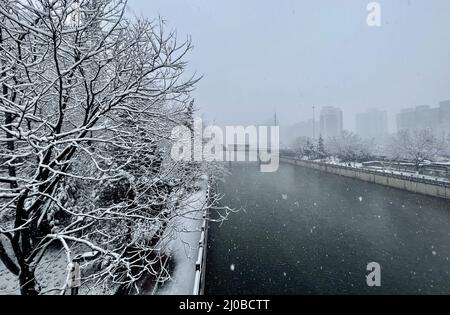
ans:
x=88 y=98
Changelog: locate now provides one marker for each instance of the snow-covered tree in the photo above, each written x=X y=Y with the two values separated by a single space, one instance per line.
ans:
x=447 y=146
x=416 y=146
x=306 y=147
x=299 y=145
x=349 y=147
x=309 y=149
x=88 y=103
x=321 y=151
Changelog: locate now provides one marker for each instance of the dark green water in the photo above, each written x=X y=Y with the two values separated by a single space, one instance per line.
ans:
x=308 y=232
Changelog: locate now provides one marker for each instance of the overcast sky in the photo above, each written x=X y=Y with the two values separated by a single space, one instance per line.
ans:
x=262 y=56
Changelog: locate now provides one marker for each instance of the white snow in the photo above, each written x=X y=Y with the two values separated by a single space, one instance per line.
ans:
x=183 y=244
x=51 y=275
x=389 y=171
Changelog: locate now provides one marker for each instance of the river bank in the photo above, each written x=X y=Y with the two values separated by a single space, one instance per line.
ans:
x=425 y=186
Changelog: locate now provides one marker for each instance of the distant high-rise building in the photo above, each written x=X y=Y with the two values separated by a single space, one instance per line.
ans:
x=436 y=119
x=331 y=121
x=372 y=124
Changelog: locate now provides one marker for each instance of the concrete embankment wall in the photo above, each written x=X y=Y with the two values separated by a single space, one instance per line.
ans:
x=416 y=185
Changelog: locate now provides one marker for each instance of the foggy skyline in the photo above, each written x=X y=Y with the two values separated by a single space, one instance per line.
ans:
x=111 y=185
x=258 y=57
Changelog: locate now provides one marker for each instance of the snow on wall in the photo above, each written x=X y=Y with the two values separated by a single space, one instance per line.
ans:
x=433 y=187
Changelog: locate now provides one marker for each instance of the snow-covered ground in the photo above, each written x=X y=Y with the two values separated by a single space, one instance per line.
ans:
x=51 y=275
x=183 y=243
x=351 y=164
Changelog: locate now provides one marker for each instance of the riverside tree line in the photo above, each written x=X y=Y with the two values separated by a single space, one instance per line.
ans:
x=414 y=146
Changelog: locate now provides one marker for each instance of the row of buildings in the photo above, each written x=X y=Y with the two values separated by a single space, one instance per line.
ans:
x=330 y=124
x=373 y=123
x=436 y=119
x=370 y=124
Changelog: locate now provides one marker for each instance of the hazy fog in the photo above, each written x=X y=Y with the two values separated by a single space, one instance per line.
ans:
x=258 y=57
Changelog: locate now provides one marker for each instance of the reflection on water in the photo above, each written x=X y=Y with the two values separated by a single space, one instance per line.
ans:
x=309 y=232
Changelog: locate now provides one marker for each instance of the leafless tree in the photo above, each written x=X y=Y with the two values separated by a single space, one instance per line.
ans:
x=349 y=147
x=416 y=146
x=299 y=145
x=88 y=98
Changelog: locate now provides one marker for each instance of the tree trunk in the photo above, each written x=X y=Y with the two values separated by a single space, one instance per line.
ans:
x=27 y=281
x=7 y=261
x=22 y=246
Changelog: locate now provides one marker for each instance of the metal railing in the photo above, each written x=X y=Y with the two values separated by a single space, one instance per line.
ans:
x=200 y=264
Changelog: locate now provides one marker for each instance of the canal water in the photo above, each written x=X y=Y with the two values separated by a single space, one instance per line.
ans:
x=302 y=231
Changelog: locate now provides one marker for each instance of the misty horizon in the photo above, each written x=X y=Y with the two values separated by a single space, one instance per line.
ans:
x=258 y=58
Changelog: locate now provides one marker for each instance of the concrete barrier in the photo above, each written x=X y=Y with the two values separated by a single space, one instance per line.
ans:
x=435 y=188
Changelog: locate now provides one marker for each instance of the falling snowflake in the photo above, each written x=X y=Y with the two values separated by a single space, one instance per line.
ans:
x=232 y=267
